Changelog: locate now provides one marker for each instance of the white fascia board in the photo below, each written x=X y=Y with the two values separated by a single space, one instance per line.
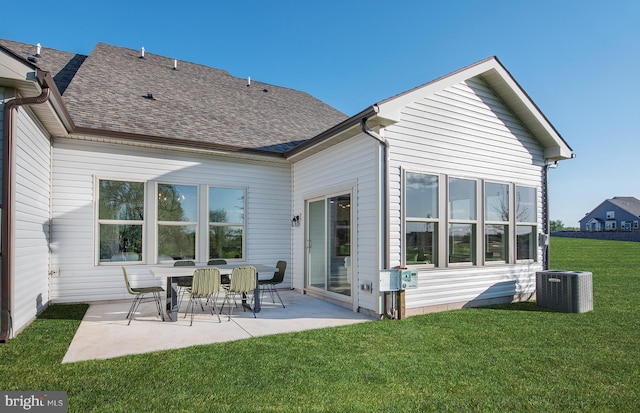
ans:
x=14 y=72
x=558 y=153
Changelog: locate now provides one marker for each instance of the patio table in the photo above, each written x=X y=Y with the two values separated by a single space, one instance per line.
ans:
x=171 y=273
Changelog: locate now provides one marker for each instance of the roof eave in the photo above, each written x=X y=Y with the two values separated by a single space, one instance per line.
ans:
x=173 y=142
x=323 y=139
x=29 y=80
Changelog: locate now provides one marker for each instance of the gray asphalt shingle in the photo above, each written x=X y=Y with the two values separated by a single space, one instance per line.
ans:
x=108 y=89
x=61 y=65
x=628 y=203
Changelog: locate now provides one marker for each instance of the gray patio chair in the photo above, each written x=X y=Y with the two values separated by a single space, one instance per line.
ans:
x=270 y=285
x=140 y=293
x=206 y=283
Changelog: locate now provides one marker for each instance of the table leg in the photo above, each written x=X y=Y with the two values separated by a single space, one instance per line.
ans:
x=172 y=298
x=256 y=296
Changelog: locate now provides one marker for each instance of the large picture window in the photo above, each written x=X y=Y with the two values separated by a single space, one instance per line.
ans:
x=526 y=222
x=226 y=223
x=462 y=220
x=496 y=218
x=120 y=220
x=177 y=221
x=468 y=221
x=421 y=229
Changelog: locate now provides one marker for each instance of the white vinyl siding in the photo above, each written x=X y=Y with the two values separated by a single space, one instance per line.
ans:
x=464 y=131
x=31 y=247
x=268 y=214
x=349 y=166
x=447 y=290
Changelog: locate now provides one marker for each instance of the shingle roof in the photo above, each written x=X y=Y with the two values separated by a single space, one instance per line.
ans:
x=61 y=65
x=195 y=103
x=628 y=203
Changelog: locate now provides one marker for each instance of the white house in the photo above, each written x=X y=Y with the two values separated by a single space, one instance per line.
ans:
x=125 y=157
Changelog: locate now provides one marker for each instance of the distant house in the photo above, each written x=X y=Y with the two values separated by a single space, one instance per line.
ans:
x=128 y=158
x=620 y=213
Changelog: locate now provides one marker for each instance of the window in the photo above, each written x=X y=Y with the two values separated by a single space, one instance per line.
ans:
x=226 y=222
x=177 y=221
x=484 y=222
x=496 y=216
x=462 y=220
x=611 y=215
x=635 y=224
x=526 y=221
x=421 y=229
x=120 y=220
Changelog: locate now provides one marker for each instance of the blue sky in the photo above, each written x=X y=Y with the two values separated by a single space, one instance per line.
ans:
x=578 y=60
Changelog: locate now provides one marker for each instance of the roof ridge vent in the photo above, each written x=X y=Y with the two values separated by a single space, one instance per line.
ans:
x=142 y=52
x=38 y=50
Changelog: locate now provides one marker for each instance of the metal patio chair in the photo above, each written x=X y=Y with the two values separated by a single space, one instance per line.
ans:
x=206 y=283
x=184 y=283
x=270 y=285
x=243 y=281
x=140 y=293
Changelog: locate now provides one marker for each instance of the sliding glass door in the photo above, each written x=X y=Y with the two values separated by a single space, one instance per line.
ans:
x=329 y=244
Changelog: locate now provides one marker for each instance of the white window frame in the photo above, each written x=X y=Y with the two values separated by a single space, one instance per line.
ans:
x=436 y=221
x=98 y=222
x=157 y=223
x=533 y=224
x=477 y=233
x=506 y=223
x=209 y=224
x=445 y=219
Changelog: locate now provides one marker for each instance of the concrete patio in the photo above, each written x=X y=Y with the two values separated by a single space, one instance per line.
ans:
x=104 y=333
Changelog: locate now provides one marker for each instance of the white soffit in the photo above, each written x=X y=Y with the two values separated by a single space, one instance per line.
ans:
x=22 y=77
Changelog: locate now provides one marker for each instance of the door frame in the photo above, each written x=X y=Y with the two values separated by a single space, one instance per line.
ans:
x=342 y=300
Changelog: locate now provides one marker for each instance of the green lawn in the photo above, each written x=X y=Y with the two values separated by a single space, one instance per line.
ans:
x=504 y=358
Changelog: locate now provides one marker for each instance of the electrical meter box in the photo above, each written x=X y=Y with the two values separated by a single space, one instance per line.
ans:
x=389 y=280
x=396 y=280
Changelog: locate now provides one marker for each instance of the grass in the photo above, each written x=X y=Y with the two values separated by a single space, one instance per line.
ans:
x=514 y=357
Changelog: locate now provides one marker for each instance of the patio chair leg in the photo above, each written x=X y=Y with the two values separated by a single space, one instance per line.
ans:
x=279 y=298
x=158 y=300
x=180 y=294
x=235 y=304
x=266 y=287
x=272 y=289
x=134 y=307
x=214 y=307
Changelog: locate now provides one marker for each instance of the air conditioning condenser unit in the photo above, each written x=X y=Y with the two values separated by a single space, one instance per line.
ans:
x=565 y=291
